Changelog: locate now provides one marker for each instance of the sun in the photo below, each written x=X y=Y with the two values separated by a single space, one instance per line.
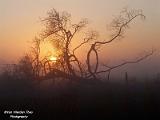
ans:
x=53 y=58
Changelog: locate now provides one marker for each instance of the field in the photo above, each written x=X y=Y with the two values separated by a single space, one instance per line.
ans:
x=90 y=99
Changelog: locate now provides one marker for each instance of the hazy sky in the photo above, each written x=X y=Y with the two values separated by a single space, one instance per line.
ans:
x=19 y=23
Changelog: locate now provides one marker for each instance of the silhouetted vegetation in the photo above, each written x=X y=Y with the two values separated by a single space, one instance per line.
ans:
x=60 y=32
x=69 y=88
x=134 y=98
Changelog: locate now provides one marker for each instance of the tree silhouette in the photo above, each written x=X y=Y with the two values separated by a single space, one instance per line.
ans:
x=60 y=32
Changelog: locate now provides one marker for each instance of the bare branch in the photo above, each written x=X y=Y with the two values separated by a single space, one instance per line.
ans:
x=79 y=26
x=120 y=24
x=91 y=36
x=124 y=63
x=120 y=28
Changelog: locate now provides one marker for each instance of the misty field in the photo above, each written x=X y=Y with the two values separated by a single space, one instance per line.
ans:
x=91 y=99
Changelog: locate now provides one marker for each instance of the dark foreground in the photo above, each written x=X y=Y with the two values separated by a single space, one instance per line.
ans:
x=87 y=100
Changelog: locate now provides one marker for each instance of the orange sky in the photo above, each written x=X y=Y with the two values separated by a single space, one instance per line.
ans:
x=20 y=24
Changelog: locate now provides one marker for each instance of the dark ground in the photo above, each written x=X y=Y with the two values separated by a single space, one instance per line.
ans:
x=87 y=100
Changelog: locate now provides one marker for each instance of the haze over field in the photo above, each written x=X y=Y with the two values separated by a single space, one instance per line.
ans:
x=20 y=23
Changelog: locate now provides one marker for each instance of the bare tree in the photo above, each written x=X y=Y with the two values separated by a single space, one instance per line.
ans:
x=36 y=57
x=61 y=32
x=119 y=25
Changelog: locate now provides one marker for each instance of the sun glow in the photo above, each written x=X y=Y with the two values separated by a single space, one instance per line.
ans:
x=53 y=58
x=48 y=52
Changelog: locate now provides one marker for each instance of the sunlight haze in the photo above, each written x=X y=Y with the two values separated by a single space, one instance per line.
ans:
x=20 y=23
